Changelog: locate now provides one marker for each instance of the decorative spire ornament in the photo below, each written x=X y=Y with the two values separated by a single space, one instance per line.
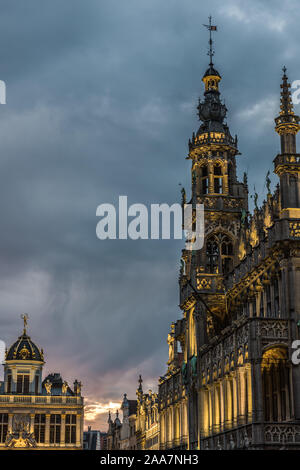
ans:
x=24 y=317
x=210 y=28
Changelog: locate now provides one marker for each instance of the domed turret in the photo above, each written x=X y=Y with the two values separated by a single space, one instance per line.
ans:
x=24 y=349
x=23 y=365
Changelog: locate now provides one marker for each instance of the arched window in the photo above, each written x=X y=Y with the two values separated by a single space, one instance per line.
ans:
x=217 y=169
x=219 y=254
x=212 y=255
x=276 y=385
x=230 y=176
x=204 y=180
x=227 y=254
x=218 y=181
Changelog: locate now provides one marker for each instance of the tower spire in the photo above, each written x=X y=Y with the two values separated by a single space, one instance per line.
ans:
x=287 y=162
x=210 y=28
x=286 y=105
x=287 y=123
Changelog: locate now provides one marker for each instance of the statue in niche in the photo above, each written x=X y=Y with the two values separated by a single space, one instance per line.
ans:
x=20 y=436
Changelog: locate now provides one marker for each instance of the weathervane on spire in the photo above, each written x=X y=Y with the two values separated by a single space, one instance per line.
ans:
x=210 y=28
x=24 y=317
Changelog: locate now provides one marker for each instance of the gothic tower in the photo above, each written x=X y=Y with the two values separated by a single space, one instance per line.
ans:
x=287 y=163
x=212 y=151
x=234 y=382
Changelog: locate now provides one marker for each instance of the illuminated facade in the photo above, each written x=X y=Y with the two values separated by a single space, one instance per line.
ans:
x=147 y=419
x=121 y=435
x=36 y=413
x=230 y=383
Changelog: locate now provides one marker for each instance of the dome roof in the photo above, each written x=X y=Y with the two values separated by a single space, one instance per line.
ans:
x=24 y=349
x=211 y=71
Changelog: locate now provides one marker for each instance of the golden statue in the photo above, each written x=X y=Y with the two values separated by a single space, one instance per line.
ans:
x=25 y=317
x=48 y=386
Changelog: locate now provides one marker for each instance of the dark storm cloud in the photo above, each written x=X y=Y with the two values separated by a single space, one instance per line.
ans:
x=101 y=100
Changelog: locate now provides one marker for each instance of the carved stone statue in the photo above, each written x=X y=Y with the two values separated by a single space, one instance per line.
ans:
x=182 y=267
x=64 y=388
x=243 y=217
x=219 y=447
x=20 y=436
x=231 y=443
x=48 y=386
x=77 y=387
x=246 y=440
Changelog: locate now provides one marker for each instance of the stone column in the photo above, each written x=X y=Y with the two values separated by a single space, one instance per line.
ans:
x=210 y=413
x=249 y=392
x=173 y=424
x=78 y=430
x=161 y=433
x=180 y=421
x=62 y=430
x=222 y=406
x=225 y=188
x=210 y=177
x=225 y=399
x=32 y=422
x=47 y=430
x=10 y=417
x=235 y=398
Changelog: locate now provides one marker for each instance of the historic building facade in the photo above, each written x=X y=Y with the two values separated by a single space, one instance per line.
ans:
x=122 y=435
x=139 y=429
x=147 y=419
x=230 y=382
x=37 y=413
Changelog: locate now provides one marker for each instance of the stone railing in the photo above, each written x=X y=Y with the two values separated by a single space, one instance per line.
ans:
x=282 y=433
x=209 y=283
x=47 y=399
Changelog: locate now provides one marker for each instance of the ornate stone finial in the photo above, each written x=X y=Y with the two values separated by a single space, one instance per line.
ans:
x=24 y=317
x=255 y=199
x=268 y=182
x=287 y=123
x=183 y=197
x=140 y=383
x=210 y=28
x=284 y=69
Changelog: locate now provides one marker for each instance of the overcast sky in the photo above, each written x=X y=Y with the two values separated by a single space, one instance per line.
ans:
x=101 y=102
